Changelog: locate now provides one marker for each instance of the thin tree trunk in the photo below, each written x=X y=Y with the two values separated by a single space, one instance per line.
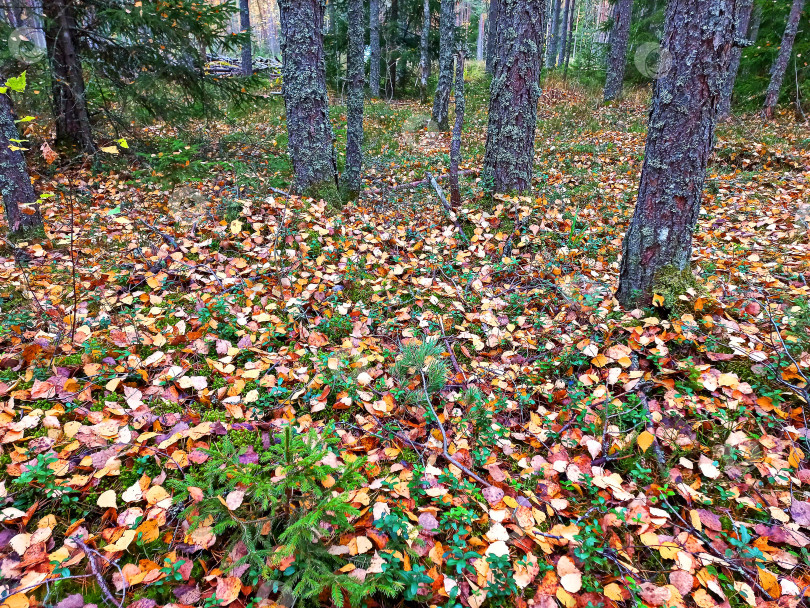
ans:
x=509 y=154
x=311 y=142
x=441 y=100
x=273 y=42
x=743 y=18
x=455 y=143
x=479 y=46
x=15 y=184
x=354 y=102
x=374 y=43
x=780 y=65
x=393 y=48
x=564 y=33
x=492 y=17
x=698 y=35
x=570 y=43
x=424 y=60
x=617 y=56
x=551 y=43
x=247 y=51
x=67 y=81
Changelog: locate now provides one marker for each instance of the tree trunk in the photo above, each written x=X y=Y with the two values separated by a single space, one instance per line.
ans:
x=514 y=92
x=67 y=81
x=564 y=33
x=247 y=51
x=424 y=60
x=441 y=100
x=392 y=56
x=551 y=43
x=15 y=185
x=374 y=43
x=617 y=56
x=570 y=44
x=743 y=17
x=311 y=142
x=354 y=102
x=698 y=35
x=780 y=65
x=273 y=42
x=455 y=143
x=479 y=46
x=492 y=17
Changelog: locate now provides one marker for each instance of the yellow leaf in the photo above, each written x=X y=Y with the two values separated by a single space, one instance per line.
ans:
x=107 y=500
x=769 y=582
x=795 y=458
x=600 y=360
x=645 y=440
x=510 y=502
x=110 y=149
x=18 y=600
x=658 y=300
x=614 y=592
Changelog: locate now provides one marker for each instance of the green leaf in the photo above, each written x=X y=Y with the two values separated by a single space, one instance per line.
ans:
x=16 y=83
x=26 y=119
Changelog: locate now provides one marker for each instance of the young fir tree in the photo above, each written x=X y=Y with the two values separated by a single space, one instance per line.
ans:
x=698 y=35
x=780 y=65
x=354 y=128
x=247 y=51
x=743 y=17
x=15 y=184
x=617 y=56
x=311 y=142
x=374 y=45
x=514 y=92
x=441 y=100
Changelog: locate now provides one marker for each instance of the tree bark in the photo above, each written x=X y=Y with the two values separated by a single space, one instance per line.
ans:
x=780 y=64
x=570 y=43
x=563 y=33
x=311 y=141
x=374 y=43
x=272 y=29
x=354 y=102
x=15 y=184
x=247 y=51
x=509 y=154
x=492 y=18
x=392 y=55
x=424 y=60
x=441 y=100
x=455 y=143
x=67 y=81
x=698 y=35
x=743 y=18
x=479 y=45
x=551 y=43
x=617 y=56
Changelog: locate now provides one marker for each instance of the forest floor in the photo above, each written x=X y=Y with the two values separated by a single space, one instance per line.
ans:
x=460 y=409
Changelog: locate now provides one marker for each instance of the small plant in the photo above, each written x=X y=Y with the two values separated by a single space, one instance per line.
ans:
x=418 y=359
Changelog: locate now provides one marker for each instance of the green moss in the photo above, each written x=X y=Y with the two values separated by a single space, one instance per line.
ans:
x=671 y=283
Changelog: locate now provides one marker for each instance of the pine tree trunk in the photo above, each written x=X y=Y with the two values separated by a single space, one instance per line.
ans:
x=780 y=65
x=393 y=46
x=441 y=100
x=743 y=18
x=479 y=46
x=374 y=43
x=492 y=17
x=311 y=142
x=564 y=33
x=67 y=81
x=424 y=60
x=514 y=92
x=15 y=185
x=570 y=44
x=617 y=55
x=455 y=143
x=247 y=52
x=698 y=35
x=273 y=42
x=354 y=102
x=551 y=43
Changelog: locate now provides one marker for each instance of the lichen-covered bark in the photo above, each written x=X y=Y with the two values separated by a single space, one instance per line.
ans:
x=514 y=92
x=374 y=44
x=563 y=33
x=67 y=81
x=780 y=64
x=743 y=17
x=311 y=142
x=455 y=142
x=354 y=102
x=698 y=35
x=247 y=51
x=424 y=60
x=617 y=55
x=15 y=185
x=492 y=17
x=551 y=43
x=441 y=99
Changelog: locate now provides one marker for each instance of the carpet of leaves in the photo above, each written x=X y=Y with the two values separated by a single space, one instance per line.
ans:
x=654 y=456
